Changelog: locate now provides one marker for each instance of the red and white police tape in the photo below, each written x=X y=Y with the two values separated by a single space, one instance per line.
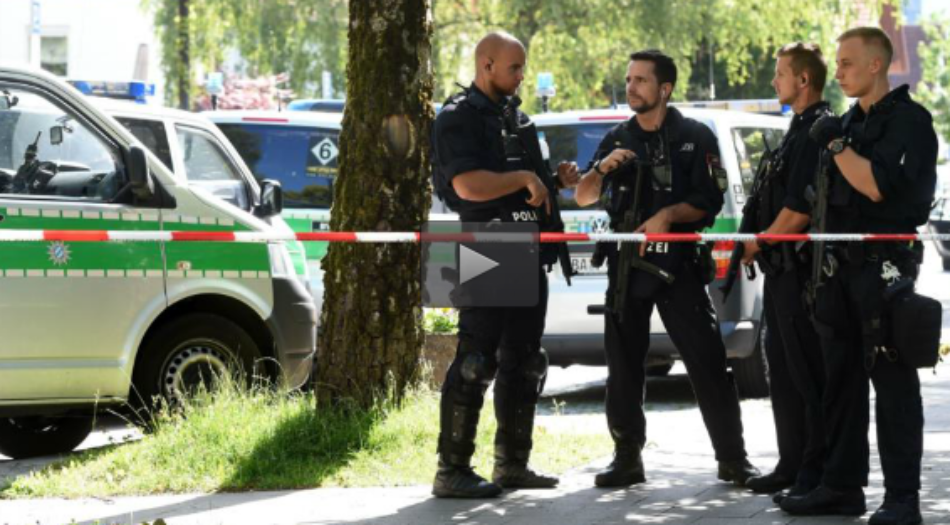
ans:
x=417 y=237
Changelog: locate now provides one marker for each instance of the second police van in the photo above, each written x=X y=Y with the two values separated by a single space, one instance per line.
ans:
x=300 y=150
x=89 y=325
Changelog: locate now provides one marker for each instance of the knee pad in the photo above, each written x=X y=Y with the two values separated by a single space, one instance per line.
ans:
x=535 y=365
x=478 y=368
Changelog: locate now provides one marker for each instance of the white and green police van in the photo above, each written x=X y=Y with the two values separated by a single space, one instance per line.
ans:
x=95 y=324
x=300 y=150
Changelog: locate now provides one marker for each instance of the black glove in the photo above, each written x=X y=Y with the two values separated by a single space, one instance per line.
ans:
x=826 y=129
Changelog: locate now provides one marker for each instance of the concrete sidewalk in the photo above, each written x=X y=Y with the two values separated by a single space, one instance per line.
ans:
x=681 y=487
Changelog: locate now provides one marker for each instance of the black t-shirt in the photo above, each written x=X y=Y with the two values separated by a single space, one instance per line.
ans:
x=795 y=163
x=898 y=138
x=468 y=135
x=691 y=152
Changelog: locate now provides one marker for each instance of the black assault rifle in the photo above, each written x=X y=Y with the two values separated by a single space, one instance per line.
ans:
x=819 y=202
x=549 y=222
x=629 y=252
x=749 y=221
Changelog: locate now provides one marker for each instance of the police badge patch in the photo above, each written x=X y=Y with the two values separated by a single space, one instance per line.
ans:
x=717 y=172
x=59 y=253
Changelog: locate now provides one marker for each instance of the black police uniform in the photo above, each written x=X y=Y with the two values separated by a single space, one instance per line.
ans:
x=796 y=374
x=687 y=170
x=503 y=344
x=897 y=136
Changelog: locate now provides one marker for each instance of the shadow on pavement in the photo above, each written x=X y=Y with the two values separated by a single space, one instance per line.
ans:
x=672 y=392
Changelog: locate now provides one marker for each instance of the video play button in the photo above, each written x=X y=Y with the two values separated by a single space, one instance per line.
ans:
x=472 y=264
x=480 y=265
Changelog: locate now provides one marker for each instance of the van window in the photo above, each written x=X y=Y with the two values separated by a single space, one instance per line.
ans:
x=152 y=133
x=576 y=142
x=750 y=144
x=46 y=150
x=304 y=160
x=208 y=167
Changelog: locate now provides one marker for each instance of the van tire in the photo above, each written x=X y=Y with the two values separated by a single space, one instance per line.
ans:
x=752 y=373
x=202 y=343
x=33 y=436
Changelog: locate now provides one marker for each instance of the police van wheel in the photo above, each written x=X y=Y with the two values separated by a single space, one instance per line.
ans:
x=752 y=373
x=189 y=353
x=29 y=437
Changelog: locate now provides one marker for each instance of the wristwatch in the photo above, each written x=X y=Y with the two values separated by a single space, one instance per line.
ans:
x=597 y=168
x=837 y=146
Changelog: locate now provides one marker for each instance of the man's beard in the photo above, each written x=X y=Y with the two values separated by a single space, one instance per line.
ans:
x=505 y=92
x=644 y=107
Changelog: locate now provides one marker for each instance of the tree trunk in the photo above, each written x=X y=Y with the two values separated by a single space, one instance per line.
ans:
x=184 y=57
x=371 y=326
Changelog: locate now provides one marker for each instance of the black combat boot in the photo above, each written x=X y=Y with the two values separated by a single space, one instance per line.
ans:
x=626 y=469
x=798 y=489
x=462 y=400
x=825 y=500
x=517 y=388
x=737 y=471
x=460 y=481
x=513 y=472
x=771 y=482
x=898 y=509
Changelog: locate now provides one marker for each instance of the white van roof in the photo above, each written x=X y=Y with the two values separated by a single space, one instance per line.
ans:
x=277 y=118
x=619 y=115
x=125 y=107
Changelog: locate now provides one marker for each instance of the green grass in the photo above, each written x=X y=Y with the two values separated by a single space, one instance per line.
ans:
x=258 y=439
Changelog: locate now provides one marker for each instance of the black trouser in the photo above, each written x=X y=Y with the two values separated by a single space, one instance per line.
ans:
x=845 y=301
x=796 y=378
x=507 y=344
x=691 y=322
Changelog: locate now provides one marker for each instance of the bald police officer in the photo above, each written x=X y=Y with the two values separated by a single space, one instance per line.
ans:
x=476 y=178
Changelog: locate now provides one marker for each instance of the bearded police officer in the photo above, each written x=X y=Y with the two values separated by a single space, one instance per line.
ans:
x=473 y=140
x=665 y=169
x=882 y=160
x=779 y=205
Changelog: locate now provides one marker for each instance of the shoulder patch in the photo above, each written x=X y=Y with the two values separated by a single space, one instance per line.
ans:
x=717 y=172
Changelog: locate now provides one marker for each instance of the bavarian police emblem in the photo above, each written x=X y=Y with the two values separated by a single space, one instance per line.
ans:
x=58 y=253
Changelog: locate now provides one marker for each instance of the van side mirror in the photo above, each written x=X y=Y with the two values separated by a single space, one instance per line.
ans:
x=56 y=135
x=139 y=178
x=272 y=198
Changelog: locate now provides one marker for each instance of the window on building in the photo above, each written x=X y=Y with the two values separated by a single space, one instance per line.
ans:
x=53 y=55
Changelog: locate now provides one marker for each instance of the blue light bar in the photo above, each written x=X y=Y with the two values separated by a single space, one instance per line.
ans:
x=136 y=90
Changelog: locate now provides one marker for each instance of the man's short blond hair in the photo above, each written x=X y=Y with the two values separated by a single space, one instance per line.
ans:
x=872 y=36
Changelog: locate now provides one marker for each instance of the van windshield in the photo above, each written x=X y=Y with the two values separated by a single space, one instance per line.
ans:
x=304 y=160
x=573 y=143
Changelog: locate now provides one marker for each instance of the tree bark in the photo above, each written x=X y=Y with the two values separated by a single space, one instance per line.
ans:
x=184 y=56
x=371 y=325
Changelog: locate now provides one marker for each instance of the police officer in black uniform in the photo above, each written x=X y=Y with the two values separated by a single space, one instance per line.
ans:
x=780 y=205
x=684 y=194
x=478 y=174
x=883 y=155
